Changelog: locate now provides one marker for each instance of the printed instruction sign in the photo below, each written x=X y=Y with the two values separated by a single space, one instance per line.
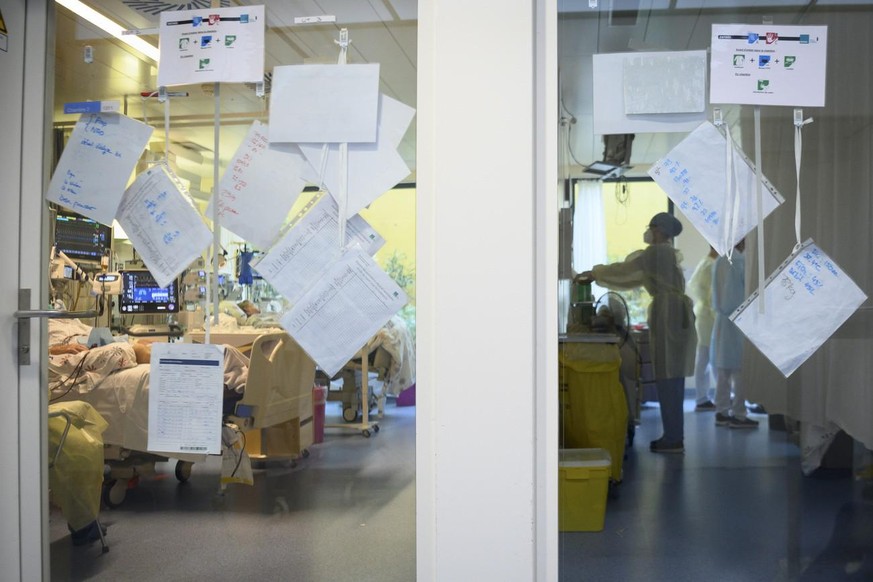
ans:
x=807 y=299
x=96 y=164
x=766 y=64
x=212 y=45
x=694 y=177
x=186 y=385
x=165 y=229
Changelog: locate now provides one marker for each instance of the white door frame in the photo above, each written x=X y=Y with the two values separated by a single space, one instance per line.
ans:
x=24 y=116
x=486 y=303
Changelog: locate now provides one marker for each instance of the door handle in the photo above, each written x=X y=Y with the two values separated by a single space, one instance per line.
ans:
x=54 y=314
x=25 y=314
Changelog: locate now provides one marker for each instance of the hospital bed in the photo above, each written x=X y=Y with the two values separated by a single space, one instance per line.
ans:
x=278 y=392
x=391 y=360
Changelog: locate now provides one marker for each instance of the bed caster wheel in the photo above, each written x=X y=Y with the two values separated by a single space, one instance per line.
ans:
x=376 y=428
x=114 y=492
x=183 y=471
x=305 y=453
x=350 y=414
x=366 y=432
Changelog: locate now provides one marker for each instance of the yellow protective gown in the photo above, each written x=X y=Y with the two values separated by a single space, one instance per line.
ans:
x=671 y=317
x=76 y=478
x=700 y=290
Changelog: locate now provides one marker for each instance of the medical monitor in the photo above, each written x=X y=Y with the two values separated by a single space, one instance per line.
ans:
x=81 y=238
x=140 y=294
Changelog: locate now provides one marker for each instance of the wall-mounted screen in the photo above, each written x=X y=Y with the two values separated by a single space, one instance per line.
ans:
x=140 y=294
x=81 y=238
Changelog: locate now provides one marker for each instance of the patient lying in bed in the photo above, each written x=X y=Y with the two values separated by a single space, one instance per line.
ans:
x=114 y=380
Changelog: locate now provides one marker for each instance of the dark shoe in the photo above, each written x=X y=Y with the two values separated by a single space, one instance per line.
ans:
x=662 y=446
x=89 y=533
x=707 y=406
x=742 y=423
x=757 y=409
x=722 y=419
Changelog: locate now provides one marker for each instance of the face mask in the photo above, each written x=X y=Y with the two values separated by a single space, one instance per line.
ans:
x=648 y=236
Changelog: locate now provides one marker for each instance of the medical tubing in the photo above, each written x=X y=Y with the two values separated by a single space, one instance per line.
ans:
x=78 y=372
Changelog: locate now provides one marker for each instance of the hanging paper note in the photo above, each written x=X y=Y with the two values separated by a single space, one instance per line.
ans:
x=373 y=169
x=343 y=310
x=767 y=64
x=807 y=299
x=324 y=103
x=165 y=229
x=671 y=82
x=186 y=384
x=212 y=45
x=297 y=260
x=259 y=187
x=96 y=164
x=694 y=176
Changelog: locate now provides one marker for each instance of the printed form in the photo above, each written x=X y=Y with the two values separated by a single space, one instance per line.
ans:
x=340 y=313
x=186 y=385
x=306 y=250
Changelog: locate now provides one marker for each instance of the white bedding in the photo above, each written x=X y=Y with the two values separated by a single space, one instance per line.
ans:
x=121 y=398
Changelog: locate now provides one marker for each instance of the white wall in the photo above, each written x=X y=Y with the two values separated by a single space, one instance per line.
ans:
x=482 y=311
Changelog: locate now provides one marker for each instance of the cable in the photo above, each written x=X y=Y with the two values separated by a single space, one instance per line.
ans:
x=77 y=371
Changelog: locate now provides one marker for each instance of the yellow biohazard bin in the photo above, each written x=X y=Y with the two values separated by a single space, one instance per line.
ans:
x=583 y=484
x=593 y=407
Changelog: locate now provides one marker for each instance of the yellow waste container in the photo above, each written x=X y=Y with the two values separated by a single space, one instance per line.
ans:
x=593 y=406
x=583 y=485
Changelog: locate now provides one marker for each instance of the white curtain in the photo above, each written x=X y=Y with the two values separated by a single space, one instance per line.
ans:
x=834 y=387
x=589 y=229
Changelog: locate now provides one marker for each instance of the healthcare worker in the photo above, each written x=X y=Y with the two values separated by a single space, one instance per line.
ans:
x=700 y=290
x=672 y=336
x=728 y=292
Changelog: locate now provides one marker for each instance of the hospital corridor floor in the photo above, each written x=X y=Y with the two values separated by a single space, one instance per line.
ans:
x=734 y=507
x=345 y=513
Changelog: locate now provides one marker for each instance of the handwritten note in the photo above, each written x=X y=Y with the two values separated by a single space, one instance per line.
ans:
x=259 y=187
x=694 y=176
x=807 y=299
x=343 y=310
x=297 y=260
x=96 y=164
x=165 y=229
x=186 y=384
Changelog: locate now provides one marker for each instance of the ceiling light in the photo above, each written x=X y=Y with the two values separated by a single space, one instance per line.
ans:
x=110 y=27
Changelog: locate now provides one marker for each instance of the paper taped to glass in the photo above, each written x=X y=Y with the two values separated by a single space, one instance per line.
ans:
x=807 y=299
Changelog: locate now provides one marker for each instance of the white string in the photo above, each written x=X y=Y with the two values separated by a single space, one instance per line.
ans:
x=343 y=43
x=760 y=195
x=732 y=195
x=798 y=149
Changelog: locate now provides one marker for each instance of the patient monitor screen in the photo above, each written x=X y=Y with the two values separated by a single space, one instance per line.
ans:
x=141 y=294
x=81 y=238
